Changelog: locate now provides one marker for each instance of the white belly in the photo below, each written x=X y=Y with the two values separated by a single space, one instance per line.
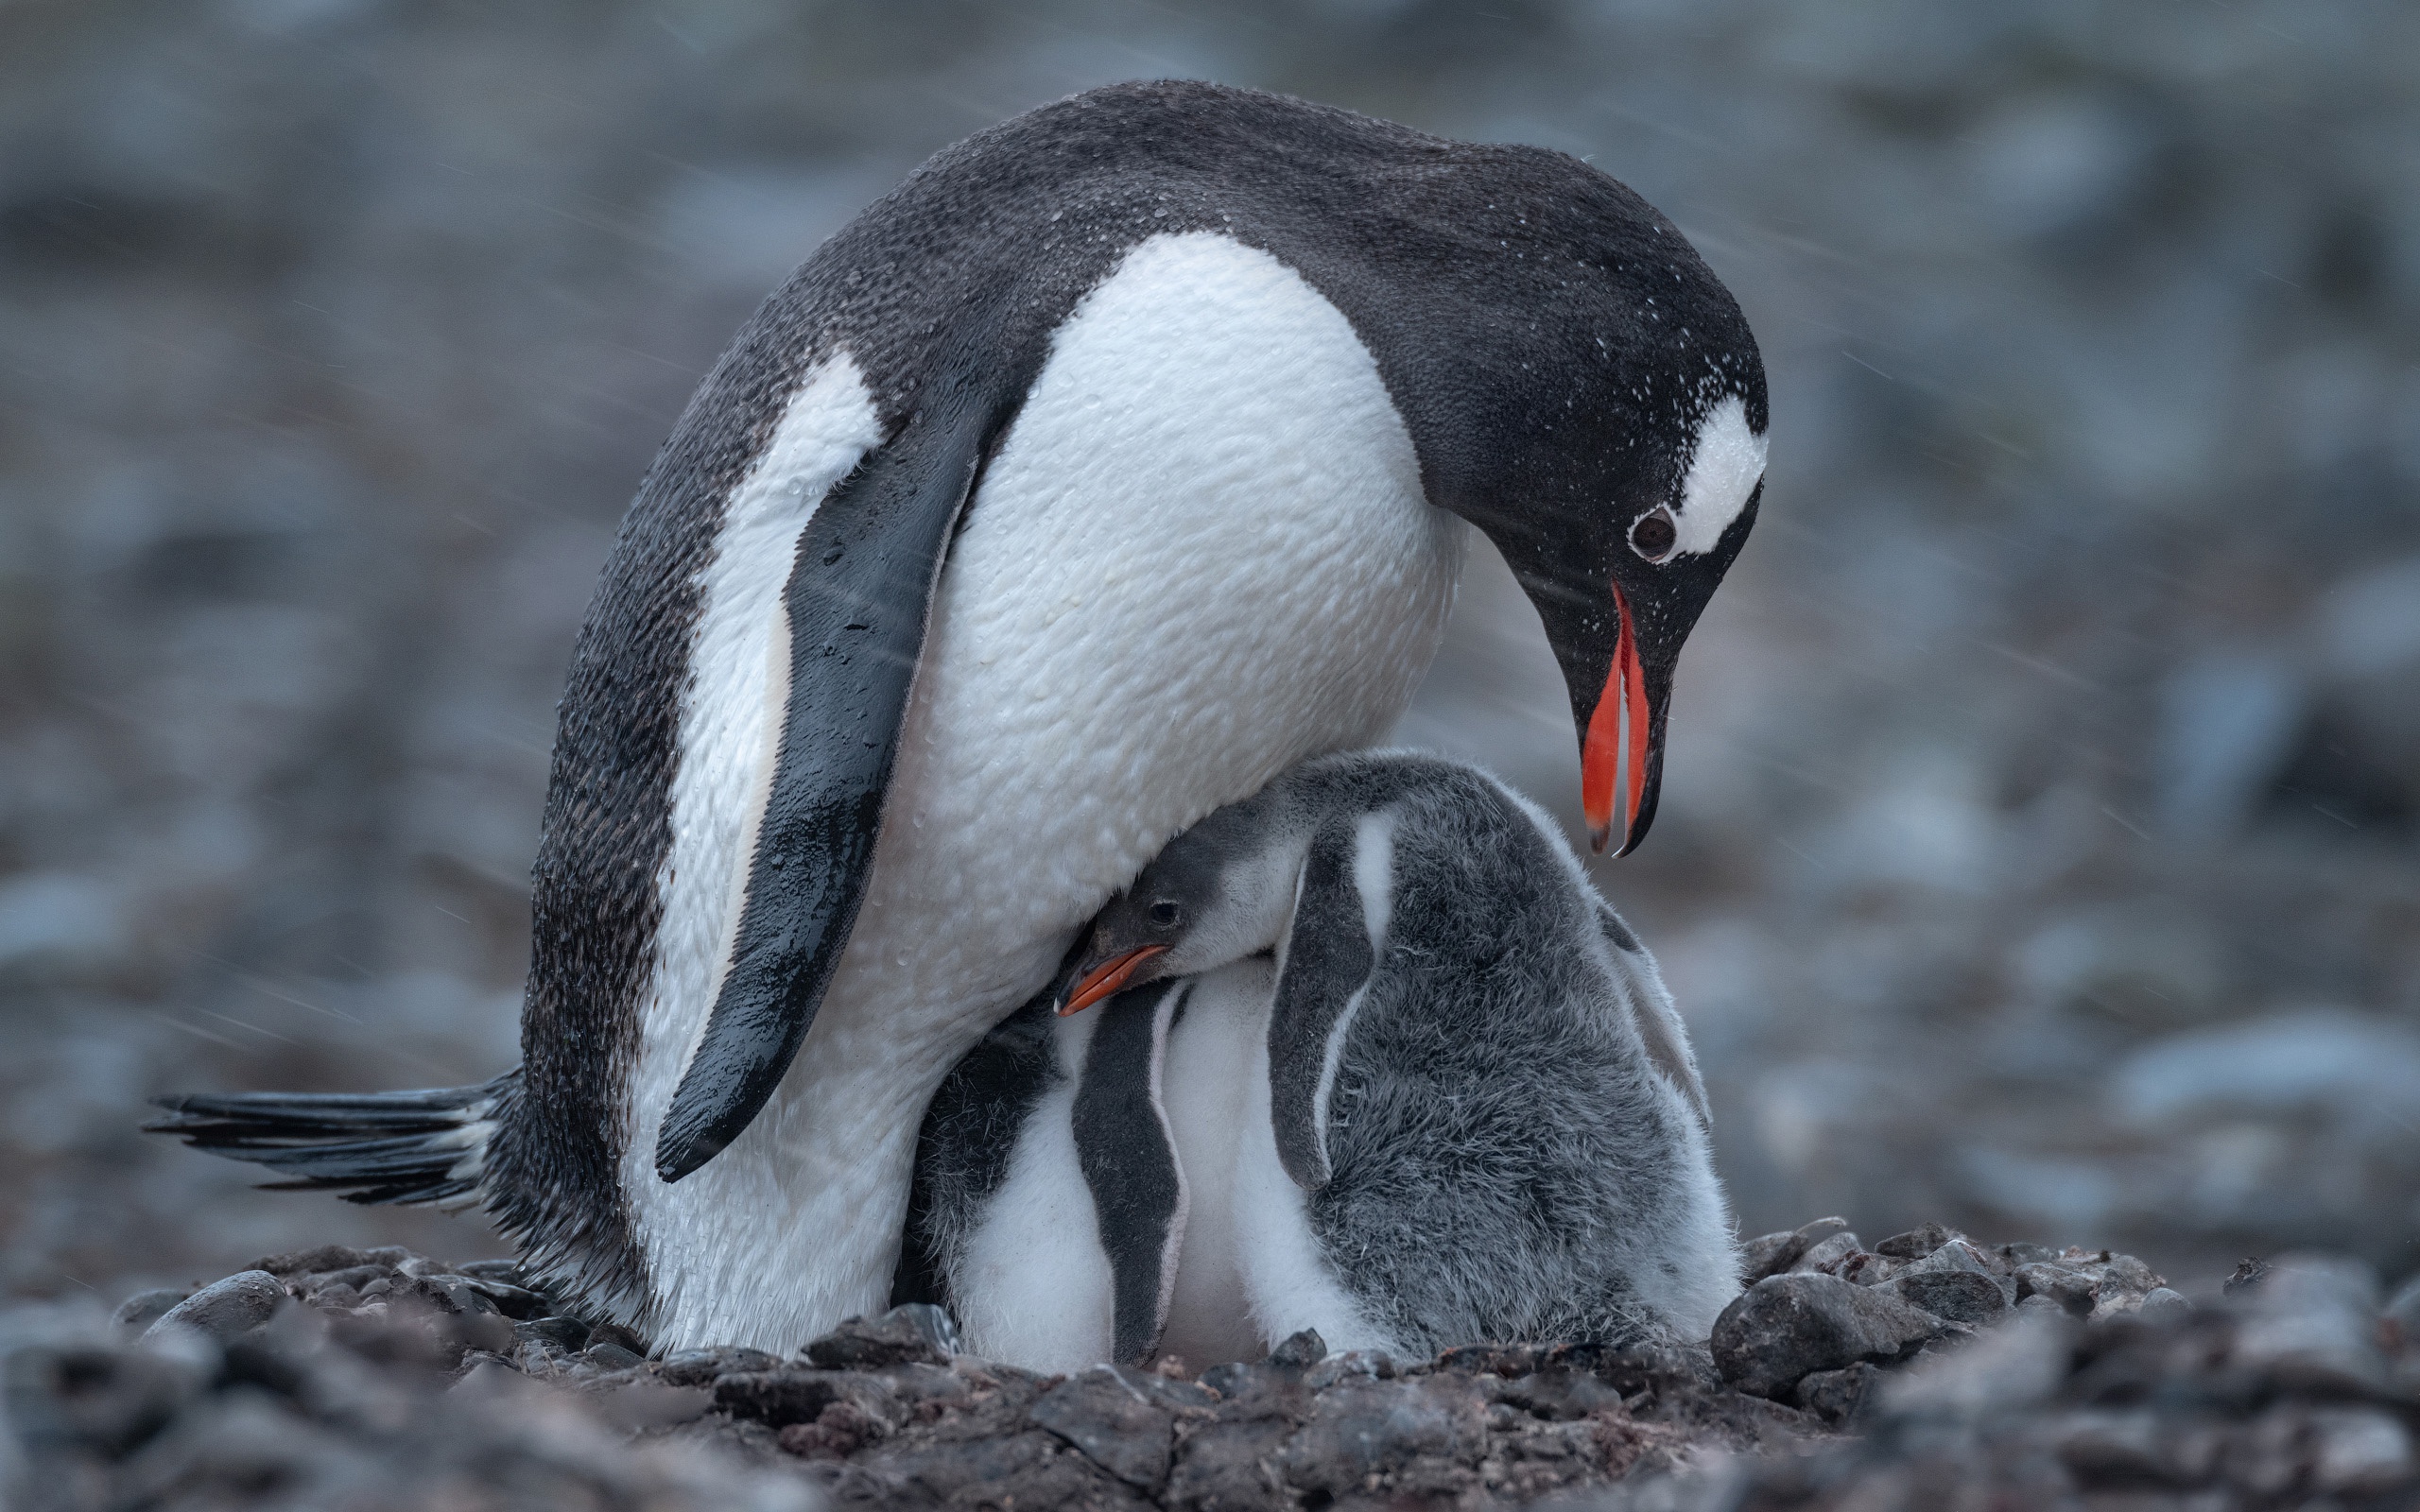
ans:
x=1210 y=1052
x=1201 y=555
x=1033 y=1286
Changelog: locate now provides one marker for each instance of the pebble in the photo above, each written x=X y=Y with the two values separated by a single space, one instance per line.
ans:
x=917 y=1332
x=1826 y=1254
x=1838 y=1396
x=2067 y=1288
x=1915 y=1244
x=1787 y=1327
x=227 y=1310
x=2312 y=1320
x=1124 y=1420
x=142 y=1310
x=1772 y=1254
x=1960 y=1295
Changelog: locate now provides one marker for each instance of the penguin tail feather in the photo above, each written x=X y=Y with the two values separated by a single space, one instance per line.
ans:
x=414 y=1148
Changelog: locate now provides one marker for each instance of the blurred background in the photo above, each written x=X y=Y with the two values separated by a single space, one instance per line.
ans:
x=2040 y=847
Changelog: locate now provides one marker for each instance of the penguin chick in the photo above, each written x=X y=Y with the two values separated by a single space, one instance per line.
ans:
x=1472 y=1114
x=1073 y=1193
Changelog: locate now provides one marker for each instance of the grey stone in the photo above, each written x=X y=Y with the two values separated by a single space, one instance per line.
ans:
x=566 y=1333
x=105 y=1401
x=1915 y=1244
x=1772 y=1254
x=2163 y=1305
x=1118 y=1417
x=1826 y=1254
x=1788 y=1327
x=1766 y=1255
x=788 y=1395
x=1957 y=1255
x=1230 y=1464
x=2312 y=1323
x=1299 y=1352
x=2068 y=1289
x=227 y=1309
x=2125 y=1447
x=1954 y=1254
x=2359 y=1451
x=898 y=1336
x=2003 y=1370
x=610 y=1356
x=1353 y=1365
x=324 y=1258
x=1365 y=1429
x=939 y=1328
x=1960 y=1295
x=840 y=1431
x=1838 y=1397
x=512 y=1301
x=2119 y=1283
x=699 y=1367
x=142 y=1310
x=1231 y=1380
x=1277 y=1383
x=606 y=1331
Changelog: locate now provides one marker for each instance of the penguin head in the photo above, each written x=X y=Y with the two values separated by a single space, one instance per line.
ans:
x=1618 y=608
x=1219 y=892
x=1596 y=406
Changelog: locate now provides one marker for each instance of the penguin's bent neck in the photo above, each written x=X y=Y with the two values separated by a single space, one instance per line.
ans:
x=1201 y=555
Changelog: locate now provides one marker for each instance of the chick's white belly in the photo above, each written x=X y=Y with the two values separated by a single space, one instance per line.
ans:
x=1209 y=1055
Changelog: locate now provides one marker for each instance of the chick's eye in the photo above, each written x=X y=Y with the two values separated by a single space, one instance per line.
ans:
x=1655 y=534
x=1165 y=912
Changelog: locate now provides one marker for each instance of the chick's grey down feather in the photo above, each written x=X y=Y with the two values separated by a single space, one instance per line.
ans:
x=1488 y=1105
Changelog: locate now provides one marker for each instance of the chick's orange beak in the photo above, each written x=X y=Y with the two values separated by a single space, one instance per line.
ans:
x=1612 y=764
x=1107 y=978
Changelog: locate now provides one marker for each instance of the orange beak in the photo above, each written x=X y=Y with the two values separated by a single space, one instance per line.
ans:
x=1107 y=978
x=1612 y=764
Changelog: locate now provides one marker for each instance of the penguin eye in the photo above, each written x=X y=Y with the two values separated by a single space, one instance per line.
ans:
x=1166 y=913
x=1654 y=535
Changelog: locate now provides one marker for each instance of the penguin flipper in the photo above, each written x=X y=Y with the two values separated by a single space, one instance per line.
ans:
x=963 y=1149
x=1328 y=958
x=1657 y=1015
x=410 y=1148
x=1128 y=1155
x=858 y=601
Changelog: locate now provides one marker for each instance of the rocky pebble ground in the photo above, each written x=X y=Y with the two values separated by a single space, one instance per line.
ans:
x=1929 y=1372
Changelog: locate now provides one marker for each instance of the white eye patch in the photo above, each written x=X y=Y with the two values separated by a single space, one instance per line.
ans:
x=1724 y=469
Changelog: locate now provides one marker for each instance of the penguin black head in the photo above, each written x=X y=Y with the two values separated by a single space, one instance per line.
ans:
x=1659 y=550
x=1593 y=400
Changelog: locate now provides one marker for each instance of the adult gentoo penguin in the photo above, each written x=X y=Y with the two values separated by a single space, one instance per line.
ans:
x=1459 y=1105
x=1105 y=469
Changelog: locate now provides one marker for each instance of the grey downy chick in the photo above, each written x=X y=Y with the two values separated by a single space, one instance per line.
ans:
x=1468 y=1110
